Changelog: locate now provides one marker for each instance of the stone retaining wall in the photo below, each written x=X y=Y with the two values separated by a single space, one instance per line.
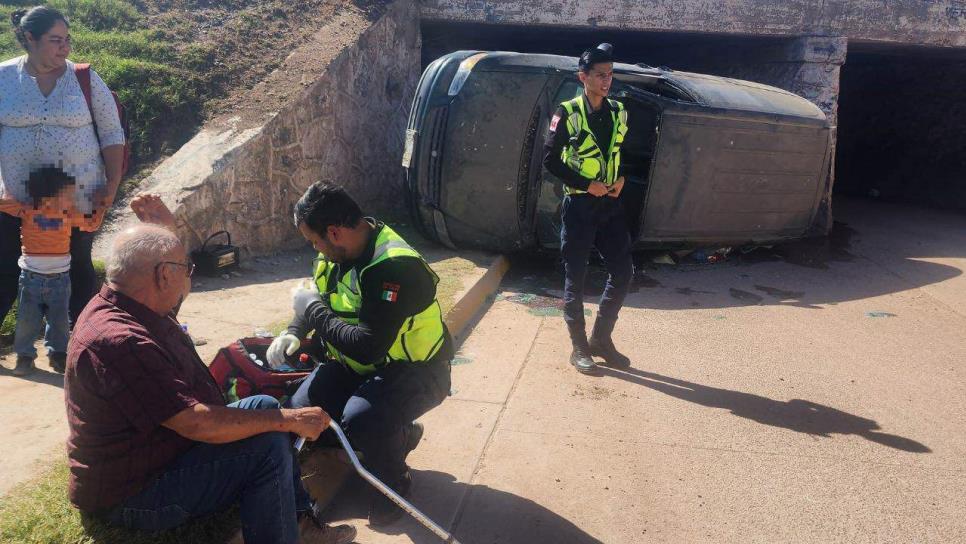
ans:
x=347 y=127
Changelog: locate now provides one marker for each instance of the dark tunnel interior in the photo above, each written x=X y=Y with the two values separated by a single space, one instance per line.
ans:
x=902 y=113
x=901 y=108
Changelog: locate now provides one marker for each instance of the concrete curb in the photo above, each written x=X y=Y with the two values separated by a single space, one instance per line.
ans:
x=468 y=306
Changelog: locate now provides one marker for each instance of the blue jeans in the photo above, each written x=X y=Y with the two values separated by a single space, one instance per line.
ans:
x=42 y=295
x=260 y=472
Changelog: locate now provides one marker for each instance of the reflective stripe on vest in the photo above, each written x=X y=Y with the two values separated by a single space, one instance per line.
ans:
x=420 y=336
x=583 y=153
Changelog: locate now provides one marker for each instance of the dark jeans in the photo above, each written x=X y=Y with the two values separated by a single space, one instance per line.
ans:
x=374 y=410
x=588 y=222
x=260 y=472
x=83 y=279
x=9 y=255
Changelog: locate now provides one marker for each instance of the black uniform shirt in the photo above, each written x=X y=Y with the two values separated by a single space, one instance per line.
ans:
x=601 y=123
x=379 y=319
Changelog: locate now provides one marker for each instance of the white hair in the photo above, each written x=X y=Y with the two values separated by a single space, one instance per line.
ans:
x=136 y=251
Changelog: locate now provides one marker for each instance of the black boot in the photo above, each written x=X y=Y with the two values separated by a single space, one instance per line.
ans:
x=382 y=510
x=601 y=345
x=580 y=357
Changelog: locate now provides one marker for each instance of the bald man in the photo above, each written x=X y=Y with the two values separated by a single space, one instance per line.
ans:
x=152 y=443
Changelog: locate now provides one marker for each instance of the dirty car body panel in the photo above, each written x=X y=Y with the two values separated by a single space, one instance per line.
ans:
x=708 y=160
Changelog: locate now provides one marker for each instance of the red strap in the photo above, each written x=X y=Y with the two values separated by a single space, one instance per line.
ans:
x=83 y=73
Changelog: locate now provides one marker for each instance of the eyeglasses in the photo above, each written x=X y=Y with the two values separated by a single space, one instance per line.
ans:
x=190 y=266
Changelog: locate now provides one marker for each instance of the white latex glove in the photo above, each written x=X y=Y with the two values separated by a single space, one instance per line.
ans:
x=281 y=347
x=303 y=297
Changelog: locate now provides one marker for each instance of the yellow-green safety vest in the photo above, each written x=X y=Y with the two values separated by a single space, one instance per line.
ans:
x=583 y=154
x=420 y=336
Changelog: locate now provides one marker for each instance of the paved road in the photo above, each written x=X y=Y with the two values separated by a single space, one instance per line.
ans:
x=823 y=401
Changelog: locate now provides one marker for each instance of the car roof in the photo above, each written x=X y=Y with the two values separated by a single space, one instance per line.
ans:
x=708 y=90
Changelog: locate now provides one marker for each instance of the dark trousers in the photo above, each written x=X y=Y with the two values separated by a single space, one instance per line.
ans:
x=374 y=410
x=260 y=472
x=83 y=279
x=589 y=222
x=9 y=255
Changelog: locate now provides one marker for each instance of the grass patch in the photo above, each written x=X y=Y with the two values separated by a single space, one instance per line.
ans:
x=162 y=84
x=38 y=512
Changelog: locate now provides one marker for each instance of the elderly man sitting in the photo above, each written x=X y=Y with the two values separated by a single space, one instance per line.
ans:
x=152 y=443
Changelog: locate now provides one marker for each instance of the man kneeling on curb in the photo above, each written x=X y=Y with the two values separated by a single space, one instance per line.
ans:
x=152 y=443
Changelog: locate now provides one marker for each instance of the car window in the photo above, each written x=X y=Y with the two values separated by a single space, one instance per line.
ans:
x=569 y=89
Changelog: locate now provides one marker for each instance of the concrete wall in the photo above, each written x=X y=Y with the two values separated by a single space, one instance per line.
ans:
x=347 y=127
x=925 y=22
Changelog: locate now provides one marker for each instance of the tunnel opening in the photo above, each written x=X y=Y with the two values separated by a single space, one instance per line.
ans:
x=725 y=55
x=901 y=118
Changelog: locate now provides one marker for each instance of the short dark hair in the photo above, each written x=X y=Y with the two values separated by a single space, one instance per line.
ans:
x=324 y=205
x=36 y=20
x=602 y=53
x=46 y=182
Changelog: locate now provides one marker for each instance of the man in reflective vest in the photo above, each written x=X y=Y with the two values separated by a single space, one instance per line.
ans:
x=387 y=351
x=584 y=150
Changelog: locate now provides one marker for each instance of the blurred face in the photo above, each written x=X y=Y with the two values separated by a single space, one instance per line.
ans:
x=60 y=204
x=598 y=79
x=329 y=246
x=51 y=49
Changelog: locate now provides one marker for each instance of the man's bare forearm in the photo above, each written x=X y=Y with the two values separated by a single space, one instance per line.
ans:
x=218 y=424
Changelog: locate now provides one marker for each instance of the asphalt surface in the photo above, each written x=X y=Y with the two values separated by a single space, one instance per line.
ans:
x=812 y=393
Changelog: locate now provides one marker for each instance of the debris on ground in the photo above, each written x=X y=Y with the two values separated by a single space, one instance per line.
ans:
x=879 y=314
x=542 y=305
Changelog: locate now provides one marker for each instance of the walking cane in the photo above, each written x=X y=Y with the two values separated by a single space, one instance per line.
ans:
x=385 y=489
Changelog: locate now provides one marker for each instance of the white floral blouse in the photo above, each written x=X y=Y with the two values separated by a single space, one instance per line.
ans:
x=57 y=130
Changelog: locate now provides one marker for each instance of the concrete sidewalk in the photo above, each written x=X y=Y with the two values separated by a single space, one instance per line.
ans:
x=767 y=402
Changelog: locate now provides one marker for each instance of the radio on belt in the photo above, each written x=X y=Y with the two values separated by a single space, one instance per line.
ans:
x=216 y=259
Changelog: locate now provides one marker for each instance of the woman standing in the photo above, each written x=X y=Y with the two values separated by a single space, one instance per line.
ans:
x=45 y=121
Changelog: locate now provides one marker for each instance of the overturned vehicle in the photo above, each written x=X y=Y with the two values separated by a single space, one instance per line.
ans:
x=707 y=160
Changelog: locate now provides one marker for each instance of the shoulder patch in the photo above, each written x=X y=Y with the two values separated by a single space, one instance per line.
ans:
x=553 y=123
x=390 y=291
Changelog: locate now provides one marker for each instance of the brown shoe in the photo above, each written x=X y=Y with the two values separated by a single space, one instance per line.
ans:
x=312 y=531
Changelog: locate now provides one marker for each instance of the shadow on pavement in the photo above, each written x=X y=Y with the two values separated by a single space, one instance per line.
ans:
x=797 y=415
x=894 y=241
x=485 y=514
x=38 y=376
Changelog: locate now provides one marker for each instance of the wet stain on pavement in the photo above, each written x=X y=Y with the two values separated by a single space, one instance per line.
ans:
x=643 y=281
x=780 y=294
x=814 y=252
x=745 y=296
x=687 y=291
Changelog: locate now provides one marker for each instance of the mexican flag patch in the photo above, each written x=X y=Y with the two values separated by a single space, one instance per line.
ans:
x=390 y=291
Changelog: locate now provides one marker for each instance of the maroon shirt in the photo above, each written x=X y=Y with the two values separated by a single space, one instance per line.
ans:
x=128 y=370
